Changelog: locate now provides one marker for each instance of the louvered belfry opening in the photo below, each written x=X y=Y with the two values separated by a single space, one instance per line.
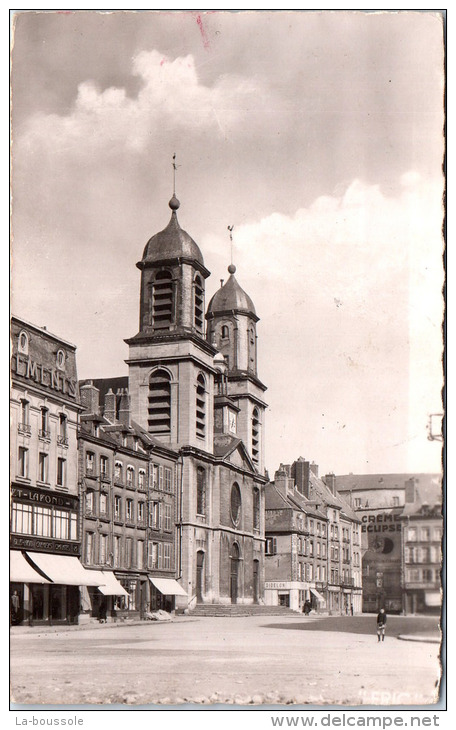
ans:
x=200 y=406
x=159 y=415
x=198 y=303
x=255 y=436
x=163 y=300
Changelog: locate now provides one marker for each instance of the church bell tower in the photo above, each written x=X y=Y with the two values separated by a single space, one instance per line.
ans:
x=171 y=373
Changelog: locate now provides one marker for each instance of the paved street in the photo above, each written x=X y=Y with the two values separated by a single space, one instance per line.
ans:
x=254 y=660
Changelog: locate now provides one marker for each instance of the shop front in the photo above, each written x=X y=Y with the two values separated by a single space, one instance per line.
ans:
x=163 y=592
x=45 y=588
x=290 y=594
x=99 y=602
x=133 y=602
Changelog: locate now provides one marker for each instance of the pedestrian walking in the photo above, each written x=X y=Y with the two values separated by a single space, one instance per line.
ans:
x=381 y=623
x=102 y=611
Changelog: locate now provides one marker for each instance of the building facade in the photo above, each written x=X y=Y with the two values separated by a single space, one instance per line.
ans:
x=128 y=500
x=313 y=543
x=380 y=502
x=45 y=538
x=422 y=536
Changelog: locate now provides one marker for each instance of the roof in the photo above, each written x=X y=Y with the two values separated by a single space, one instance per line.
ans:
x=231 y=297
x=275 y=499
x=105 y=384
x=361 y=482
x=319 y=488
x=171 y=243
x=224 y=444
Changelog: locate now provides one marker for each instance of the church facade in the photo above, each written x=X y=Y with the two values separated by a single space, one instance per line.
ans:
x=194 y=387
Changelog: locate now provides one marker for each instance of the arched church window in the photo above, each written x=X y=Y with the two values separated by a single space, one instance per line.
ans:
x=255 y=435
x=256 y=509
x=235 y=504
x=200 y=491
x=159 y=415
x=225 y=332
x=200 y=406
x=251 y=346
x=198 y=302
x=163 y=300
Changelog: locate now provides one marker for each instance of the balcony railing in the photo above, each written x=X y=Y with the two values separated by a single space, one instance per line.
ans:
x=62 y=440
x=24 y=428
x=44 y=434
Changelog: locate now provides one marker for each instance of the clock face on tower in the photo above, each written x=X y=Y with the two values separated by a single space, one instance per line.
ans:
x=232 y=422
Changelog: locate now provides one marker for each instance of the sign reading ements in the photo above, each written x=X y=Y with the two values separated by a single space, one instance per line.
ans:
x=48 y=377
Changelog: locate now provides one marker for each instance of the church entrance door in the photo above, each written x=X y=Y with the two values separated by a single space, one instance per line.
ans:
x=234 y=573
x=199 y=576
x=256 y=582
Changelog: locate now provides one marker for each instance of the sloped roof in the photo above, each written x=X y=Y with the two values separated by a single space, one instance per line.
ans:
x=231 y=297
x=274 y=499
x=318 y=487
x=225 y=444
x=171 y=243
x=361 y=482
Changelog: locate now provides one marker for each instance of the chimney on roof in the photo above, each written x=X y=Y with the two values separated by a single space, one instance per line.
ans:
x=124 y=408
x=281 y=479
x=110 y=406
x=314 y=468
x=300 y=470
x=90 y=398
x=330 y=481
x=410 y=491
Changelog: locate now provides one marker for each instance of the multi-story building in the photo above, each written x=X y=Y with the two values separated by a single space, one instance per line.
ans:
x=296 y=546
x=45 y=571
x=379 y=500
x=422 y=552
x=128 y=490
x=313 y=550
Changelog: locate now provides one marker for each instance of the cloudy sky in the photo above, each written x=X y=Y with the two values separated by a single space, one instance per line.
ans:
x=318 y=135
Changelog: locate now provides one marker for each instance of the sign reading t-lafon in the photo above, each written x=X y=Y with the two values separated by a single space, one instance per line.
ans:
x=46 y=498
x=382 y=522
x=48 y=377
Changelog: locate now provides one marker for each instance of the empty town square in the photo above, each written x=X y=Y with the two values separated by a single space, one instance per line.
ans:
x=250 y=660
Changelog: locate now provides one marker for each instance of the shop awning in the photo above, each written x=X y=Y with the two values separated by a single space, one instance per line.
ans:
x=168 y=586
x=63 y=569
x=109 y=585
x=318 y=595
x=21 y=571
x=432 y=598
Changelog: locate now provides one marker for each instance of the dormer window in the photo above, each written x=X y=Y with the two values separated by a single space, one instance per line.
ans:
x=60 y=359
x=23 y=342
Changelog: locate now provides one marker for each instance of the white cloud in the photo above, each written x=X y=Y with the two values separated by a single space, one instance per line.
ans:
x=348 y=291
x=171 y=98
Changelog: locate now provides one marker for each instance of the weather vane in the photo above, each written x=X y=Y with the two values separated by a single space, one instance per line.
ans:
x=230 y=228
x=174 y=173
